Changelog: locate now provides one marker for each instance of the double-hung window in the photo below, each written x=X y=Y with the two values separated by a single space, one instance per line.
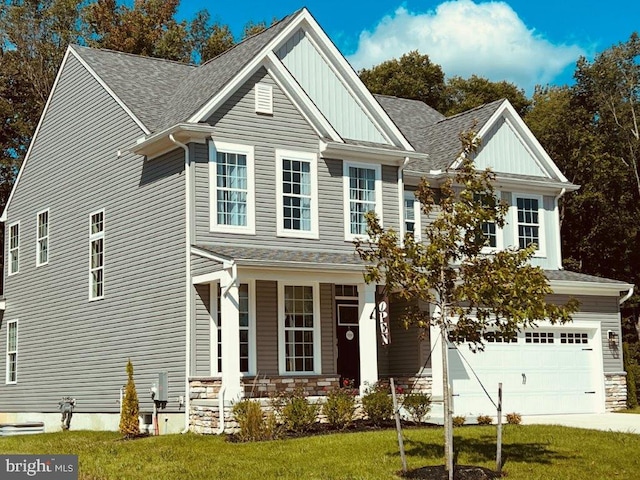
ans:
x=96 y=255
x=362 y=194
x=411 y=214
x=299 y=332
x=12 y=352
x=232 y=188
x=42 y=238
x=529 y=221
x=14 y=248
x=297 y=198
x=490 y=231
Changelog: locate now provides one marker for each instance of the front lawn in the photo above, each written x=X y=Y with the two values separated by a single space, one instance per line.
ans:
x=531 y=452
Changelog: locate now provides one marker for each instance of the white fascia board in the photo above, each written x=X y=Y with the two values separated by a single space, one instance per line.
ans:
x=360 y=93
x=3 y=217
x=109 y=91
x=225 y=261
x=299 y=98
x=243 y=75
x=588 y=288
x=156 y=142
x=368 y=153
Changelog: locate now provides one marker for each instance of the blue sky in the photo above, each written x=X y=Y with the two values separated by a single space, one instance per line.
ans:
x=527 y=42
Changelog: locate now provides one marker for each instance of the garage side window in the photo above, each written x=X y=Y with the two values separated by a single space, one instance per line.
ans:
x=96 y=255
x=14 y=248
x=12 y=352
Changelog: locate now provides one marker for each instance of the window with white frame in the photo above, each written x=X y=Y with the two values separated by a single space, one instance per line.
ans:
x=529 y=221
x=363 y=193
x=14 y=248
x=299 y=332
x=411 y=214
x=232 y=188
x=297 y=201
x=489 y=229
x=12 y=351
x=244 y=312
x=42 y=238
x=96 y=255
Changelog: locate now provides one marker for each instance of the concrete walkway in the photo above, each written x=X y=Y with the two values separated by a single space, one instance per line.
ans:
x=614 y=422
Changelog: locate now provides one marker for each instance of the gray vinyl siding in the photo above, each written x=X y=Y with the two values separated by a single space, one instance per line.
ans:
x=404 y=349
x=605 y=310
x=69 y=345
x=237 y=122
x=328 y=334
x=202 y=345
x=267 y=327
x=202 y=266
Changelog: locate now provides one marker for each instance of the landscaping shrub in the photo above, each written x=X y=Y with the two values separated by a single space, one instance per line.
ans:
x=417 y=405
x=377 y=403
x=129 y=423
x=484 y=420
x=458 y=421
x=295 y=411
x=254 y=425
x=630 y=368
x=514 y=418
x=339 y=407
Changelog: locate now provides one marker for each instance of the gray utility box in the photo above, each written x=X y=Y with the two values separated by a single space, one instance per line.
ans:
x=162 y=395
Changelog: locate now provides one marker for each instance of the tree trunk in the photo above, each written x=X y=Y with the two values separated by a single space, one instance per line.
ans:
x=447 y=411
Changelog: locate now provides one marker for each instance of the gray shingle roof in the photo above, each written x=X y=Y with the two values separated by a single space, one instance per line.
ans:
x=210 y=77
x=567 y=276
x=144 y=84
x=290 y=257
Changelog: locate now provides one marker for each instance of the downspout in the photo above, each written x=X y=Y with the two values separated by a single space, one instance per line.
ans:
x=221 y=411
x=627 y=296
x=401 y=199
x=188 y=209
x=558 y=243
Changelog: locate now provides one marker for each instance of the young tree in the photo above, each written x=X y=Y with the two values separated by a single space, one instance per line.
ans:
x=469 y=291
x=129 y=423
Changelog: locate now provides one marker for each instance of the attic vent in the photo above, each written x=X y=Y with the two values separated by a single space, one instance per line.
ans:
x=264 y=98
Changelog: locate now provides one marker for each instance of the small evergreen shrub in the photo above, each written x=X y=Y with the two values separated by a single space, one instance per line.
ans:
x=418 y=406
x=377 y=403
x=129 y=423
x=295 y=411
x=629 y=366
x=458 y=420
x=254 y=424
x=484 y=420
x=514 y=418
x=339 y=407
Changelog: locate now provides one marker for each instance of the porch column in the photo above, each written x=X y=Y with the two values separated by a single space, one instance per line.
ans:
x=229 y=308
x=368 y=336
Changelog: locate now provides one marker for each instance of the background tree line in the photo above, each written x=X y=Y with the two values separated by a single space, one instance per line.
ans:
x=590 y=129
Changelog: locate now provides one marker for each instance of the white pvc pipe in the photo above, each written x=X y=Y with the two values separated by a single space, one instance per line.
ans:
x=221 y=410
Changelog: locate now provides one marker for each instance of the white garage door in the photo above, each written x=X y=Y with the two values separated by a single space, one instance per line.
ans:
x=546 y=371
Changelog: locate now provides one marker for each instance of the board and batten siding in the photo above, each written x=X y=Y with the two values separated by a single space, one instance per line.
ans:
x=68 y=345
x=327 y=90
x=237 y=122
x=603 y=309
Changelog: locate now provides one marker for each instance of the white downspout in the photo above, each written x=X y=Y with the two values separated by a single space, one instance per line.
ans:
x=401 y=199
x=627 y=296
x=558 y=242
x=188 y=209
x=221 y=411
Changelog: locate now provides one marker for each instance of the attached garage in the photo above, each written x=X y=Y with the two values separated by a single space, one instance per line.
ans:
x=549 y=370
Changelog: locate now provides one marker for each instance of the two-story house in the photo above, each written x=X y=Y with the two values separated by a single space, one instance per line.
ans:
x=199 y=220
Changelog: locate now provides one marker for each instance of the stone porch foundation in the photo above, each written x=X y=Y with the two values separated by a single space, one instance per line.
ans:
x=615 y=391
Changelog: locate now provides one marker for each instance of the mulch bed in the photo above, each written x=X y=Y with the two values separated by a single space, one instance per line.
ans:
x=460 y=472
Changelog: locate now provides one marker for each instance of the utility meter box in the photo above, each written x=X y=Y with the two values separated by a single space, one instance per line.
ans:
x=162 y=395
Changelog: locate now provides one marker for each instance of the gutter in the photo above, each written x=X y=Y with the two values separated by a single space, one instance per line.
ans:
x=188 y=209
x=401 y=199
x=627 y=296
x=557 y=222
x=365 y=152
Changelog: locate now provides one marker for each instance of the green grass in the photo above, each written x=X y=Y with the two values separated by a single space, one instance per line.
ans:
x=531 y=452
x=629 y=410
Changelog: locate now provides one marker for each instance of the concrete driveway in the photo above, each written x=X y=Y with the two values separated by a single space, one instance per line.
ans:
x=614 y=422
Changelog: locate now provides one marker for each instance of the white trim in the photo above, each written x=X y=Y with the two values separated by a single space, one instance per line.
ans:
x=10 y=272
x=214 y=309
x=499 y=230
x=541 y=251
x=253 y=363
x=226 y=262
x=348 y=236
x=312 y=160
x=588 y=288
x=47 y=237
x=263 y=93
x=224 y=147
x=358 y=153
x=417 y=212
x=109 y=91
x=92 y=238
x=8 y=352
x=317 y=330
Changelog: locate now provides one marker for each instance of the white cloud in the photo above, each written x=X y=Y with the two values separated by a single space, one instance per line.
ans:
x=465 y=38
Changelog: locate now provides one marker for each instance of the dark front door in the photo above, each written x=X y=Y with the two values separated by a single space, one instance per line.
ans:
x=348 y=341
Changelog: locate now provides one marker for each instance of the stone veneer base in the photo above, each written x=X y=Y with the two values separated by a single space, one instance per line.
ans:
x=615 y=391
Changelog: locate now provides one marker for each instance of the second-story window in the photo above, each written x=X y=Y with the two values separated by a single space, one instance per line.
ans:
x=232 y=192
x=489 y=229
x=363 y=193
x=528 y=219
x=96 y=255
x=411 y=214
x=297 y=203
x=42 y=238
x=14 y=248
